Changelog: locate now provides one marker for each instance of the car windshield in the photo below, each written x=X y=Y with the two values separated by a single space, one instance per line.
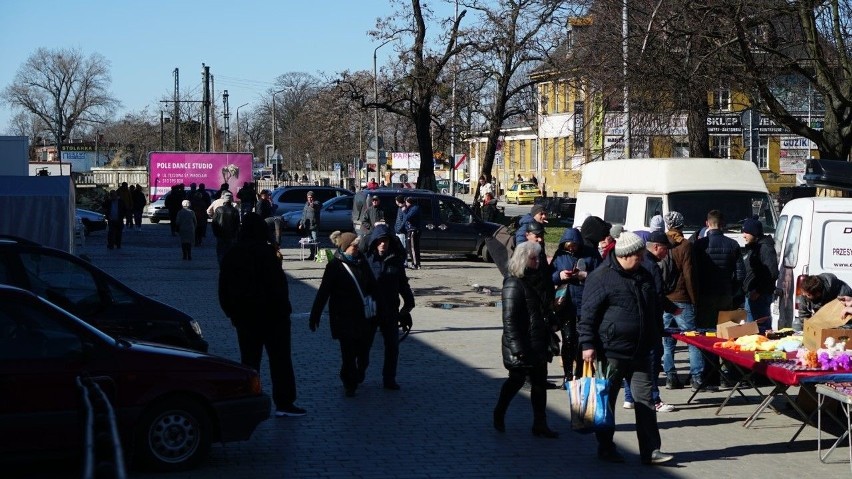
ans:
x=736 y=206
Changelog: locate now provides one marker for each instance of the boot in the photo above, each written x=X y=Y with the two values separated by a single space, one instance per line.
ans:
x=499 y=419
x=540 y=429
x=313 y=254
x=673 y=382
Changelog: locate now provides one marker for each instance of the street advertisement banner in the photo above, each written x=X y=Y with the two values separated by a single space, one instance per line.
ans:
x=166 y=169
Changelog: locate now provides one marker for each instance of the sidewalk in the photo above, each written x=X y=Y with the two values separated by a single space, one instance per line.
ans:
x=439 y=424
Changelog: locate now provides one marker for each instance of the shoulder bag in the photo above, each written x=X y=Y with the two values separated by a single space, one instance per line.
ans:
x=369 y=302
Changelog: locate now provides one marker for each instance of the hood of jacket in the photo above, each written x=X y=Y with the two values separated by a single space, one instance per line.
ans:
x=379 y=231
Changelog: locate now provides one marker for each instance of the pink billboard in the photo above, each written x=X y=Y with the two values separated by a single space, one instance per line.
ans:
x=169 y=168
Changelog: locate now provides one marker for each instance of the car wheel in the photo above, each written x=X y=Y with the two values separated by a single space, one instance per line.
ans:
x=173 y=435
x=486 y=255
x=155 y=220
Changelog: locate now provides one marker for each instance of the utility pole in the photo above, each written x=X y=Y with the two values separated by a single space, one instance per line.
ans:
x=206 y=75
x=624 y=52
x=227 y=123
x=176 y=116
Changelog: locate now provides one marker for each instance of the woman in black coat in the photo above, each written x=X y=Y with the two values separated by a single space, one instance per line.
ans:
x=348 y=322
x=526 y=336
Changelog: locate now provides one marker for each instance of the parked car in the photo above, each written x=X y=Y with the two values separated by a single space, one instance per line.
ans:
x=170 y=404
x=335 y=214
x=444 y=187
x=292 y=198
x=522 y=193
x=93 y=295
x=448 y=225
x=156 y=211
x=91 y=220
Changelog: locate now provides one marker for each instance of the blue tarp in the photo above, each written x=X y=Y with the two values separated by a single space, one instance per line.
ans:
x=39 y=208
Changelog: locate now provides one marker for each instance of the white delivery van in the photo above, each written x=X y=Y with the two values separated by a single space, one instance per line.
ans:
x=813 y=236
x=630 y=192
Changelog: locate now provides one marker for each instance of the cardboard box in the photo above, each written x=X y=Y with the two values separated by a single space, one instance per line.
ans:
x=824 y=324
x=729 y=326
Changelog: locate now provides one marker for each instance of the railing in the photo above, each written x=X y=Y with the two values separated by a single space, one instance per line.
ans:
x=102 y=453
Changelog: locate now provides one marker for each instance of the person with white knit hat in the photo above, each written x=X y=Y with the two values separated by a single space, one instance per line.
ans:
x=618 y=330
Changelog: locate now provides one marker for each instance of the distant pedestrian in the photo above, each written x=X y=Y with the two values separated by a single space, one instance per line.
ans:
x=399 y=224
x=173 y=204
x=346 y=281
x=761 y=272
x=485 y=187
x=526 y=337
x=412 y=232
x=126 y=196
x=139 y=202
x=489 y=208
x=386 y=258
x=372 y=185
x=372 y=215
x=186 y=223
x=116 y=212
x=226 y=225
x=199 y=201
x=310 y=222
x=247 y=197
x=218 y=199
x=254 y=294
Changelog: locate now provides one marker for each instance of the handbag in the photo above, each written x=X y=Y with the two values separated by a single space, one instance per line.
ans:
x=588 y=401
x=369 y=302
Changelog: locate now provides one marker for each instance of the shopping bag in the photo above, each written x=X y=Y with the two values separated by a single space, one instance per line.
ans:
x=588 y=400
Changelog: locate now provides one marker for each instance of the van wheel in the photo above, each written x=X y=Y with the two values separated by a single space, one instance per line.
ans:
x=173 y=435
x=155 y=220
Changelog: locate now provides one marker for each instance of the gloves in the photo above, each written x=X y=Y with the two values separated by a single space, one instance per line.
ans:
x=313 y=324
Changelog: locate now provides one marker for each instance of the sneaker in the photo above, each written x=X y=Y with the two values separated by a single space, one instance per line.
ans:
x=290 y=411
x=664 y=407
x=673 y=382
x=611 y=456
x=628 y=405
x=657 y=457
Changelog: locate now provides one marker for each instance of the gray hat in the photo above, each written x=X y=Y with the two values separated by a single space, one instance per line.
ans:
x=536 y=209
x=616 y=231
x=674 y=220
x=657 y=223
x=628 y=244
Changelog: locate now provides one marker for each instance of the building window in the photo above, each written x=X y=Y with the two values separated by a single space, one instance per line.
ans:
x=522 y=154
x=680 y=149
x=720 y=146
x=763 y=154
x=721 y=99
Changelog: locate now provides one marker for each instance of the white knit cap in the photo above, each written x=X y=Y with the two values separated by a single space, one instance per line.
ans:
x=657 y=223
x=628 y=244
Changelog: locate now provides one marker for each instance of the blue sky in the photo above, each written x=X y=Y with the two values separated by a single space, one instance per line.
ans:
x=246 y=43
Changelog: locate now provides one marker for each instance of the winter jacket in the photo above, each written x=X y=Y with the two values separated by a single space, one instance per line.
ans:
x=521 y=232
x=373 y=215
x=252 y=285
x=832 y=288
x=649 y=262
x=399 y=224
x=489 y=210
x=389 y=272
x=681 y=253
x=310 y=216
x=563 y=260
x=412 y=218
x=761 y=266
x=345 y=306
x=186 y=224
x=526 y=330
x=138 y=199
x=718 y=265
x=226 y=222
x=620 y=315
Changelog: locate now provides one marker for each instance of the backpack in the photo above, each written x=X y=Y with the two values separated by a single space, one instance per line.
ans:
x=670 y=273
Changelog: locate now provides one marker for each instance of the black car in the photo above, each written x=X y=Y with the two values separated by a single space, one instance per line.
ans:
x=96 y=297
x=448 y=224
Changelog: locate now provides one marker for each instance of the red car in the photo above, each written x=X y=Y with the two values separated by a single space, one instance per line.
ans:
x=170 y=403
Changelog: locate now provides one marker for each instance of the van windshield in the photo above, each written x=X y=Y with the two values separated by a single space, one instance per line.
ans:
x=736 y=206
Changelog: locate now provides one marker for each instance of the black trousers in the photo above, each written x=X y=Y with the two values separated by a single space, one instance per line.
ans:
x=640 y=372
x=572 y=363
x=390 y=339
x=538 y=391
x=276 y=339
x=114 y=231
x=413 y=247
x=355 y=358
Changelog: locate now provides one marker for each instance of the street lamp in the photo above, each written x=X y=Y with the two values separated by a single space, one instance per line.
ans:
x=239 y=145
x=375 y=102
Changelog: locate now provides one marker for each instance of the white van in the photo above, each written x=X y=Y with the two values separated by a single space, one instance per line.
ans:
x=814 y=235
x=631 y=192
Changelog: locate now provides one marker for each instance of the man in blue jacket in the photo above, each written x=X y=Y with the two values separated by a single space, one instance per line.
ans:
x=537 y=214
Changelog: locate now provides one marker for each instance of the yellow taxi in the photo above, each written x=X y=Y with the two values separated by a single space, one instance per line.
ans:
x=522 y=193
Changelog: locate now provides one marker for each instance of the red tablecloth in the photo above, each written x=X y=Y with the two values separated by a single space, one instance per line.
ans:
x=776 y=372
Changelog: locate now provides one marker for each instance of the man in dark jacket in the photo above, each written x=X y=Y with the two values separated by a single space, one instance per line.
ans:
x=537 y=214
x=761 y=273
x=719 y=271
x=412 y=220
x=226 y=225
x=250 y=276
x=595 y=230
x=489 y=208
x=385 y=256
x=309 y=224
x=819 y=290
x=619 y=327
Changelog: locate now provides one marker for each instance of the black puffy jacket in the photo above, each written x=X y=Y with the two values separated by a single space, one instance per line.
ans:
x=526 y=327
x=345 y=307
x=719 y=268
x=620 y=315
x=761 y=266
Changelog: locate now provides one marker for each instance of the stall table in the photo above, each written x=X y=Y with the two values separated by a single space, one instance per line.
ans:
x=842 y=392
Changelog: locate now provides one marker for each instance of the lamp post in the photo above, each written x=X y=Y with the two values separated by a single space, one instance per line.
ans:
x=239 y=145
x=375 y=101
x=275 y=150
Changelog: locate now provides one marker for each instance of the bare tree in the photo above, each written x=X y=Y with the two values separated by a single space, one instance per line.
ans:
x=64 y=89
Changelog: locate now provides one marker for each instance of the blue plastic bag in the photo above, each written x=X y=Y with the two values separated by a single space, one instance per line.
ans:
x=588 y=400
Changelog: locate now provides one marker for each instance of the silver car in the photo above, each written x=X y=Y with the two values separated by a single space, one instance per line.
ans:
x=335 y=214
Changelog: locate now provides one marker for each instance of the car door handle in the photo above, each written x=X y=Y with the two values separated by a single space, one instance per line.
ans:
x=442 y=227
x=430 y=226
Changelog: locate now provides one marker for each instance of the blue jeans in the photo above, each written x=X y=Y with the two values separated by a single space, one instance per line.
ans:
x=759 y=308
x=686 y=322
